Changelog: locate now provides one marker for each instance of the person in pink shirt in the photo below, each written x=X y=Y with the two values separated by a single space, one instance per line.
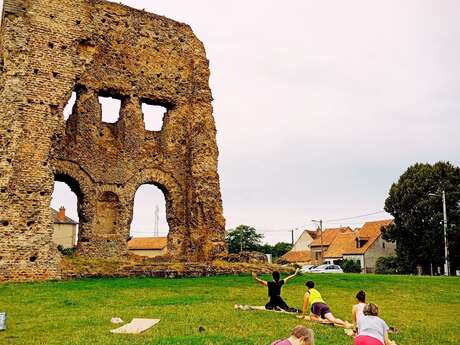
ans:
x=300 y=335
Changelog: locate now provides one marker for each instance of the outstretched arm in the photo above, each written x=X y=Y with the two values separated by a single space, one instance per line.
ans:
x=305 y=303
x=291 y=276
x=353 y=317
x=263 y=282
x=387 y=339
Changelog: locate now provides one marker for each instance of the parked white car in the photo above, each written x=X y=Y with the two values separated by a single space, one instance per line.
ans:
x=306 y=268
x=326 y=269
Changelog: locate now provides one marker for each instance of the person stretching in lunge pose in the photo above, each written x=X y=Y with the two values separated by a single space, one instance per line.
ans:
x=274 y=291
x=300 y=335
x=357 y=309
x=372 y=330
x=320 y=311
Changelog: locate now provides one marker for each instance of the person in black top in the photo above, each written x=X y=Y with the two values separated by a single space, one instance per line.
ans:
x=274 y=291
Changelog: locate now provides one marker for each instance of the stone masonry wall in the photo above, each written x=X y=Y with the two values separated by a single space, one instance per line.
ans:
x=50 y=48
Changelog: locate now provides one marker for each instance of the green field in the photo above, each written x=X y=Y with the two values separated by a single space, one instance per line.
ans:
x=426 y=310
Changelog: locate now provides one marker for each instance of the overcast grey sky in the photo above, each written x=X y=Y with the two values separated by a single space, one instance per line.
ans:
x=321 y=105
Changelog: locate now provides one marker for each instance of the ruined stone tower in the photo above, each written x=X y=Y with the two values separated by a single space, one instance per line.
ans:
x=51 y=48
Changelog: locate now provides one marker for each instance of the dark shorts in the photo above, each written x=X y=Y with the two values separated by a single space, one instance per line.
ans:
x=320 y=309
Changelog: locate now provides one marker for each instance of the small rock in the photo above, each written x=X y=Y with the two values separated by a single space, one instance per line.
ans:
x=116 y=320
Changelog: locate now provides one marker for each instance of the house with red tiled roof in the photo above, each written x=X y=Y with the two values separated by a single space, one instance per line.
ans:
x=342 y=243
x=148 y=246
x=64 y=229
x=300 y=252
x=365 y=245
x=322 y=241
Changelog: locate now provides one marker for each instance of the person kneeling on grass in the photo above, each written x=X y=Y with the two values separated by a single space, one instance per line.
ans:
x=274 y=291
x=320 y=311
x=300 y=335
x=372 y=330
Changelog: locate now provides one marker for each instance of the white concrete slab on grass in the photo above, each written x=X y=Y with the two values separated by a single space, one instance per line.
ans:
x=136 y=326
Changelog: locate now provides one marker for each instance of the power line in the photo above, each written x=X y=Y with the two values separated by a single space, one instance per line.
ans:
x=264 y=229
x=354 y=217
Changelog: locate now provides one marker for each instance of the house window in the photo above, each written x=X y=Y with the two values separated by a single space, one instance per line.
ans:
x=383 y=244
x=317 y=255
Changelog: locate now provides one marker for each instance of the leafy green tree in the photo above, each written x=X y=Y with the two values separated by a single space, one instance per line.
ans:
x=265 y=248
x=243 y=237
x=280 y=249
x=418 y=217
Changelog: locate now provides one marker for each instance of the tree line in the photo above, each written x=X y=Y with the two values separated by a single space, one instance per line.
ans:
x=246 y=238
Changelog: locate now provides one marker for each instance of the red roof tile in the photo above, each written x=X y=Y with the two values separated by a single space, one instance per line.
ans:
x=66 y=219
x=297 y=256
x=329 y=235
x=148 y=243
x=343 y=243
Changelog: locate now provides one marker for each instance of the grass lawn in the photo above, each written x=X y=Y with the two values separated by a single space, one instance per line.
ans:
x=427 y=310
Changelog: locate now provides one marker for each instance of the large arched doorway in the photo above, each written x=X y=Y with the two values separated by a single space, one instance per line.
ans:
x=65 y=210
x=149 y=227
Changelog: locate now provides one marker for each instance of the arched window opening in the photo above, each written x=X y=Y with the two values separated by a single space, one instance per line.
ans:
x=69 y=106
x=110 y=109
x=64 y=210
x=153 y=116
x=149 y=226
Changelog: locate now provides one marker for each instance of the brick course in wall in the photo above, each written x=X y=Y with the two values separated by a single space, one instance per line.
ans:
x=51 y=48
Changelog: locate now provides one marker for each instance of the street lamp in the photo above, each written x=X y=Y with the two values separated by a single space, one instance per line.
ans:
x=321 y=235
x=444 y=211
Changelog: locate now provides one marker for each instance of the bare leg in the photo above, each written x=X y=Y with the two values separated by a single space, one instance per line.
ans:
x=336 y=321
x=317 y=318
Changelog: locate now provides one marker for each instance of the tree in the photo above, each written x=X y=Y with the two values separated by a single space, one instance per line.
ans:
x=280 y=249
x=387 y=265
x=243 y=237
x=418 y=217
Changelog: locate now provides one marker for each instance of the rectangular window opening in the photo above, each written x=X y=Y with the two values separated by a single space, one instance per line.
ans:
x=110 y=109
x=69 y=106
x=153 y=116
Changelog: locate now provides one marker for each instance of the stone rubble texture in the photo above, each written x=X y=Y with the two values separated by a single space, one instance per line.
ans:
x=51 y=48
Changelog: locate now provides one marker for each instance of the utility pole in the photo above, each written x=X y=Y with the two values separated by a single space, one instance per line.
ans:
x=446 y=254
x=321 y=236
x=444 y=212
x=241 y=239
x=155 y=231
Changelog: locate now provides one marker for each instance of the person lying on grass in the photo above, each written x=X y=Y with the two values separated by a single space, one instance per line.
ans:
x=274 y=291
x=300 y=335
x=357 y=309
x=372 y=330
x=320 y=311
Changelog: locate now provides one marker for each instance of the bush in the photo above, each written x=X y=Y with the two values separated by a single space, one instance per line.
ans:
x=351 y=266
x=66 y=251
x=387 y=265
